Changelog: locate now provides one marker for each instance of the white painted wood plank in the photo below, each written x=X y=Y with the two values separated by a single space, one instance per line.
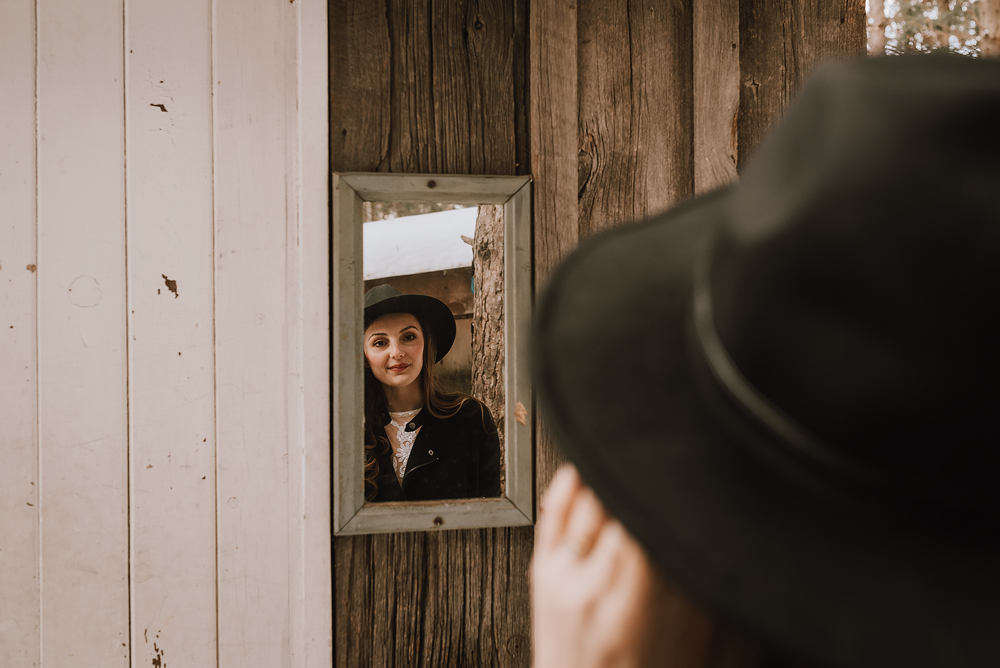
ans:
x=81 y=337
x=716 y=92
x=19 y=600
x=312 y=576
x=171 y=349
x=251 y=190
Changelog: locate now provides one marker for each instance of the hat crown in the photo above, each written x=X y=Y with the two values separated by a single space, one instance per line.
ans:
x=380 y=293
x=434 y=313
x=856 y=282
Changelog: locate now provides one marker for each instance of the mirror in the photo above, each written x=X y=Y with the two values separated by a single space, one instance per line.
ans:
x=466 y=242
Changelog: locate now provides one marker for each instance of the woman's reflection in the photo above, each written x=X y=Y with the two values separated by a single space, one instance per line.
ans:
x=420 y=443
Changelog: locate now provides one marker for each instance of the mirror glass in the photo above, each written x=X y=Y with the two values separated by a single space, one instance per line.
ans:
x=455 y=251
x=452 y=253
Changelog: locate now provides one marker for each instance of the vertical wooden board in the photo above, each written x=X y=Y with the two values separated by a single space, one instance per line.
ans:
x=172 y=375
x=522 y=76
x=663 y=88
x=312 y=569
x=81 y=337
x=456 y=598
x=455 y=129
x=553 y=108
x=635 y=110
x=251 y=308
x=781 y=41
x=412 y=146
x=360 y=57
x=19 y=600
x=354 y=607
x=452 y=86
x=716 y=92
x=608 y=159
x=474 y=76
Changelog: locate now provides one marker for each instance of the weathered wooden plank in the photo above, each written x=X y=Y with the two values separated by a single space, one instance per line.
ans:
x=522 y=77
x=359 y=86
x=81 y=334
x=554 y=164
x=635 y=110
x=251 y=331
x=172 y=366
x=662 y=88
x=451 y=596
x=473 y=86
x=19 y=594
x=781 y=41
x=391 y=598
x=716 y=92
x=311 y=576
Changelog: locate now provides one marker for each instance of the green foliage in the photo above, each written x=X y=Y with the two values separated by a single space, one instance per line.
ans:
x=924 y=26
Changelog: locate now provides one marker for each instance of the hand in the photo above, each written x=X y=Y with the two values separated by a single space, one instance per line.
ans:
x=596 y=600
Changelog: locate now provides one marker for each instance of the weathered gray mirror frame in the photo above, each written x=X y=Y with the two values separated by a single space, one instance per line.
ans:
x=350 y=513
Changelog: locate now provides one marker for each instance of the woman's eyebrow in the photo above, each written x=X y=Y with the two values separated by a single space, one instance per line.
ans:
x=377 y=334
x=407 y=327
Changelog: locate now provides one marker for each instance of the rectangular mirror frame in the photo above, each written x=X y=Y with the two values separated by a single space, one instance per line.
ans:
x=350 y=513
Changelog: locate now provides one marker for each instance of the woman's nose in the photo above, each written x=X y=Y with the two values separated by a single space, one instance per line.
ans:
x=395 y=351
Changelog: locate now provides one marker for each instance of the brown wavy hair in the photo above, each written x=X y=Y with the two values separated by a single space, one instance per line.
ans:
x=438 y=403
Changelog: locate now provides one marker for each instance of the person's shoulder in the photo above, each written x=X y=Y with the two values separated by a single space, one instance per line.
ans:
x=472 y=407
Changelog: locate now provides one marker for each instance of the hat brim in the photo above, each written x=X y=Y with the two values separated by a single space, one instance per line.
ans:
x=797 y=560
x=432 y=311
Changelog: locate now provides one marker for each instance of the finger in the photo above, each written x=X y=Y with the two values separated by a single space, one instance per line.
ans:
x=586 y=518
x=556 y=506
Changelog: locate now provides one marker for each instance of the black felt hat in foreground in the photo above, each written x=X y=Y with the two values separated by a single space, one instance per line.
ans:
x=383 y=299
x=787 y=390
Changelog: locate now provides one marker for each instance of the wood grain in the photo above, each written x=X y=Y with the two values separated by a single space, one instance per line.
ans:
x=635 y=110
x=429 y=86
x=781 y=41
x=171 y=309
x=81 y=334
x=451 y=594
x=359 y=86
x=554 y=166
x=19 y=600
x=716 y=92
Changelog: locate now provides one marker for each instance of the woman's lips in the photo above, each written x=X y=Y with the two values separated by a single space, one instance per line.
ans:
x=399 y=367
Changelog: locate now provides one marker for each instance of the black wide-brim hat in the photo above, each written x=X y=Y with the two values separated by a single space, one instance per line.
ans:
x=434 y=313
x=787 y=389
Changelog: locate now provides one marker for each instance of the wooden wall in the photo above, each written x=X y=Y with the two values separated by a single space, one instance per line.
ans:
x=440 y=87
x=618 y=109
x=161 y=464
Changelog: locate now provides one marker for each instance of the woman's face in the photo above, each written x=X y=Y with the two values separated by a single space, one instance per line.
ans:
x=394 y=348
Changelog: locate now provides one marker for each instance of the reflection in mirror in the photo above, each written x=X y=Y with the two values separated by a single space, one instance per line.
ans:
x=433 y=274
x=471 y=258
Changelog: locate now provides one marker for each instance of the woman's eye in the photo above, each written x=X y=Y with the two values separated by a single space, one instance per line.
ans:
x=378 y=344
x=409 y=337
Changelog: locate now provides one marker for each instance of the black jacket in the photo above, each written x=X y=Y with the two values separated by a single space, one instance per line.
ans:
x=452 y=458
